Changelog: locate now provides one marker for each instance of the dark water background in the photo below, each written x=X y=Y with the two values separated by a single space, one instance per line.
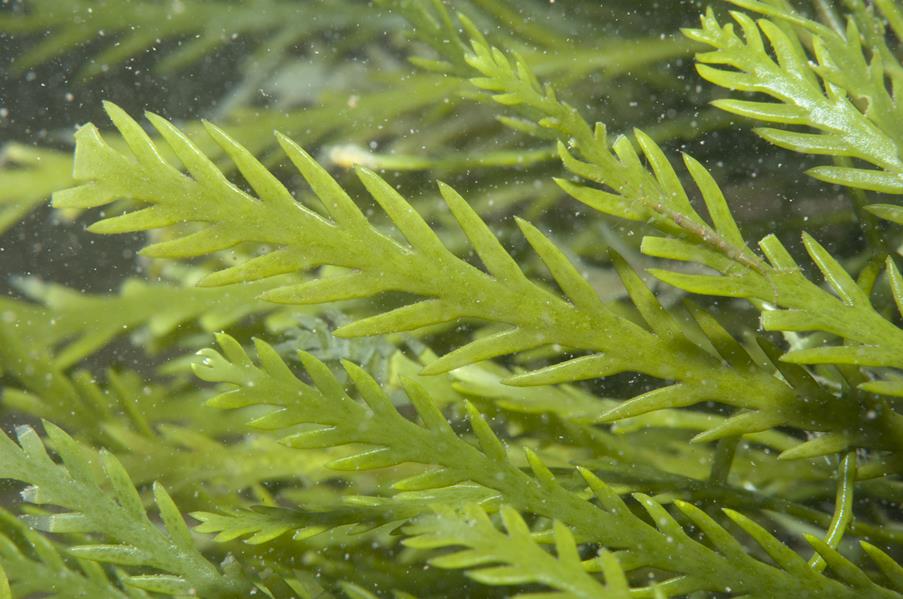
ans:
x=44 y=106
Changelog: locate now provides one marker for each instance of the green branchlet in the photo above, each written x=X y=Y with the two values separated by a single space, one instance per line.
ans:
x=97 y=497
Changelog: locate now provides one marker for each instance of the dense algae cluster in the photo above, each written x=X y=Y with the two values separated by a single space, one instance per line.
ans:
x=464 y=298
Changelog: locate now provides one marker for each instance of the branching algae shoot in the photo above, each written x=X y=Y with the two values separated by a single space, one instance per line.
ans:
x=463 y=298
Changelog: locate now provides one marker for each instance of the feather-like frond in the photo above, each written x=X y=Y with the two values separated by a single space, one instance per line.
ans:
x=95 y=495
x=388 y=439
x=500 y=293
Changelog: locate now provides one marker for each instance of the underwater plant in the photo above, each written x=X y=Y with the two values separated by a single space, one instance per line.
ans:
x=445 y=333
